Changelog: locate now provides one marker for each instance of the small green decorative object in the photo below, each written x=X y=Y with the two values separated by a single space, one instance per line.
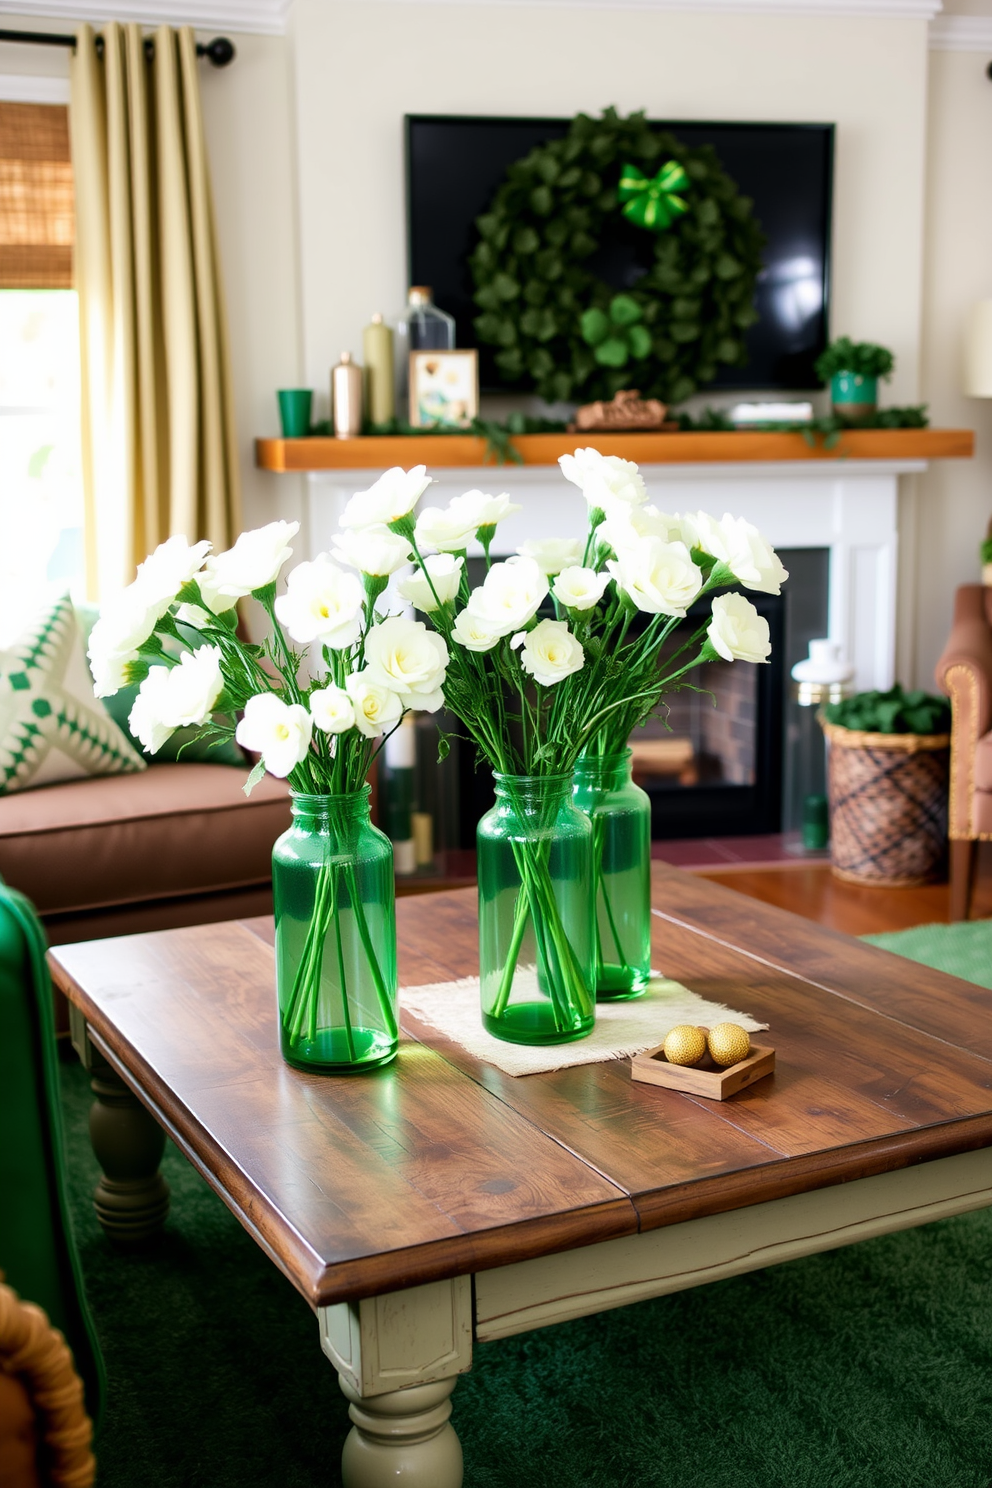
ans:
x=653 y=203
x=618 y=334
x=695 y=274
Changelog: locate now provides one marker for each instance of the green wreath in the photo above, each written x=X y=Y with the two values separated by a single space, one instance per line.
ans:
x=566 y=334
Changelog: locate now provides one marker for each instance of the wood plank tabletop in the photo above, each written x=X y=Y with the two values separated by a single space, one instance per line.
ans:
x=441 y=1165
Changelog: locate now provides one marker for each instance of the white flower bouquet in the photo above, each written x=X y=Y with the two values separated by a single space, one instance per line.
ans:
x=316 y=716
x=535 y=691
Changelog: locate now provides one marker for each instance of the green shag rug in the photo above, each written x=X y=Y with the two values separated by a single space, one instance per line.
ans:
x=869 y=1367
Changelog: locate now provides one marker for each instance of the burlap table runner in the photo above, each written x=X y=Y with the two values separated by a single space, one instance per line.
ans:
x=622 y=1028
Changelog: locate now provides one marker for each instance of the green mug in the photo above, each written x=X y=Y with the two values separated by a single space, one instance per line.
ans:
x=294 y=411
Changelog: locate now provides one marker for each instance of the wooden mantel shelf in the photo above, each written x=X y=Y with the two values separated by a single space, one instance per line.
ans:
x=379 y=453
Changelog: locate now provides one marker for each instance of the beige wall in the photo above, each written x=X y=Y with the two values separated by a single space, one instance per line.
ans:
x=250 y=127
x=361 y=65
x=955 y=496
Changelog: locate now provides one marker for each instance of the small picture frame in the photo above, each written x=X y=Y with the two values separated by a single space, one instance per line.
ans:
x=444 y=389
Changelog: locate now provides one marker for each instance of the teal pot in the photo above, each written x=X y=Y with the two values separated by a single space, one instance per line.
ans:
x=536 y=913
x=332 y=882
x=620 y=813
x=854 y=398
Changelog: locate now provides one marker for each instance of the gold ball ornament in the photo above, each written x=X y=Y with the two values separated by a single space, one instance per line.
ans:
x=686 y=1044
x=728 y=1044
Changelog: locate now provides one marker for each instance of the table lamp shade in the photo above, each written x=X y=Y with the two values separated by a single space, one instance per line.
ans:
x=978 y=352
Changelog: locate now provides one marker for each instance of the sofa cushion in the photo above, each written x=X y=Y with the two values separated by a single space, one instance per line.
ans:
x=52 y=726
x=171 y=830
x=983 y=764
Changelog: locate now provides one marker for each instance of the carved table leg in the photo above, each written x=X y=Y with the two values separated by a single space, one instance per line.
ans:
x=132 y=1197
x=398 y=1358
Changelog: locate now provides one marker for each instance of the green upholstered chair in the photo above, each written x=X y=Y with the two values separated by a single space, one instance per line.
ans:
x=37 y=1253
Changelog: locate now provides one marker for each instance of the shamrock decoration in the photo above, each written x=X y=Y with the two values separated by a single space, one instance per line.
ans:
x=619 y=335
x=653 y=203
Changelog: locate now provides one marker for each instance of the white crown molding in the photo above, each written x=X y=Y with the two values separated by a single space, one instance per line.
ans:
x=259 y=17
x=918 y=10
x=961 y=33
x=20 y=88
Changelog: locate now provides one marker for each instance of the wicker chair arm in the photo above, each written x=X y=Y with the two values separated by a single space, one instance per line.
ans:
x=39 y=1356
x=964 y=673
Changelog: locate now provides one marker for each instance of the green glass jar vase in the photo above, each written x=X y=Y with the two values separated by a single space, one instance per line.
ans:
x=332 y=881
x=620 y=813
x=535 y=913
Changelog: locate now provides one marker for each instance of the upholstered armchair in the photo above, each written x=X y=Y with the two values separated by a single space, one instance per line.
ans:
x=964 y=673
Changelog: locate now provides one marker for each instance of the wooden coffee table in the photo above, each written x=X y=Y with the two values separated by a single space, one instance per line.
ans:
x=438 y=1203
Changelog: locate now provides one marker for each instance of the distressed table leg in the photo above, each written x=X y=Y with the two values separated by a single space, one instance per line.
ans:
x=132 y=1197
x=398 y=1358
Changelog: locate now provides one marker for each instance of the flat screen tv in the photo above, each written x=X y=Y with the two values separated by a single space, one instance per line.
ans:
x=455 y=163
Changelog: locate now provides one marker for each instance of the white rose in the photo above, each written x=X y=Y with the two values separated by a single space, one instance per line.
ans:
x=280 y=732
x=322 y=603
x=700 y=530
x=125 y=624
x=605 y=481
x=751 y=559
x=393 y=496
x=626 y=525
x=737 y=632
x=510 y=595
x=445 y=572
x=377 y=709
x=552 y=554
x=177 y=697
x=408 y=659
x=475 y=633
x=660 y=577
x=146 y=721
x=450 y=529
x=579 y=588
x=332 y=710
x=374 y=550
x=253 y=563
x=618 y=532
x=172 y=565
x=492 y=510
x=550 y=652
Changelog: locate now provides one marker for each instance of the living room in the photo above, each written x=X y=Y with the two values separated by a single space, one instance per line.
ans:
x=400 y=1194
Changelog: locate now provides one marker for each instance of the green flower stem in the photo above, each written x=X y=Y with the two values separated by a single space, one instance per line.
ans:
x=599 y=845
x=342 y=978
x=537 y=904
x=385 y=1005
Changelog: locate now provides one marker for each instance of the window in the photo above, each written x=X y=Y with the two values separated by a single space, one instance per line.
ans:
x=41 y=498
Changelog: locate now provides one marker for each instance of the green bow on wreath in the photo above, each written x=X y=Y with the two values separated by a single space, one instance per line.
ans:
x=653 y=202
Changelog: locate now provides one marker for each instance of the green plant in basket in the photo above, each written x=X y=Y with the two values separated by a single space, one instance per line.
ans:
x=891 y=712
x=317 y=717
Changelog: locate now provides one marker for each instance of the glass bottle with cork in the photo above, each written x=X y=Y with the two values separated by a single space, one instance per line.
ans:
x=421 y=326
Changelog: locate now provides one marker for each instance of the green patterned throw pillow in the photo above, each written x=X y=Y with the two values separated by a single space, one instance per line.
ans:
x=52 y=726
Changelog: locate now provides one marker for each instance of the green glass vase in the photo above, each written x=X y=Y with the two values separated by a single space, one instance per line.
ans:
x=535 y=913
x=332 y=882
x=620 y=813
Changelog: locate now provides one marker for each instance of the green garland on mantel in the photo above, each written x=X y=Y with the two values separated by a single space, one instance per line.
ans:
x=566 y=334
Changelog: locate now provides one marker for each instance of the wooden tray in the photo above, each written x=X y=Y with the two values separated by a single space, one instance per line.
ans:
x=706 y=1078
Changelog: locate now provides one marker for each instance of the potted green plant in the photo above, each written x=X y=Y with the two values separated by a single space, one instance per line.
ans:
x=986 y=556
x=887 y=780
x=852 y=369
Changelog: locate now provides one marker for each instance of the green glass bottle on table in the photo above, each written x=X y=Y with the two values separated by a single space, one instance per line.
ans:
x=332 y=882
x=620 y=813
x=535 y=913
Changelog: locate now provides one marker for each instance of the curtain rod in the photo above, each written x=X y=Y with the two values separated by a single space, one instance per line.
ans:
x=218 y=52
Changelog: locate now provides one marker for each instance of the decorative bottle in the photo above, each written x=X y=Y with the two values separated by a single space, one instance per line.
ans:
x=346 y=397
x=420 y=327
x=380 y=391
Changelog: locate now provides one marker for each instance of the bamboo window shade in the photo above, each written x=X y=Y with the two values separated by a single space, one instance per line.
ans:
x=37 y=215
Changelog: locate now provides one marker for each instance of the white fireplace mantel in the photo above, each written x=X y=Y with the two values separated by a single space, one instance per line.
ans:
x=848 y=506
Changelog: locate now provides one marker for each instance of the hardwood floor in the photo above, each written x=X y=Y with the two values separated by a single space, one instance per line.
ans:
x=812 y=891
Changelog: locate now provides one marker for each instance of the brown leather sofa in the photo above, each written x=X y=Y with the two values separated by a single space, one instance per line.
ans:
x=964 y=673
x=178 y=844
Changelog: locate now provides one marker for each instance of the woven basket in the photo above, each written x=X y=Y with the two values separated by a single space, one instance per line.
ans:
x=888 y=805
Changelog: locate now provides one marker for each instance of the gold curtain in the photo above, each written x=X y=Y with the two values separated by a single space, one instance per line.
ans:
x=159 y=442
x=36 y=214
